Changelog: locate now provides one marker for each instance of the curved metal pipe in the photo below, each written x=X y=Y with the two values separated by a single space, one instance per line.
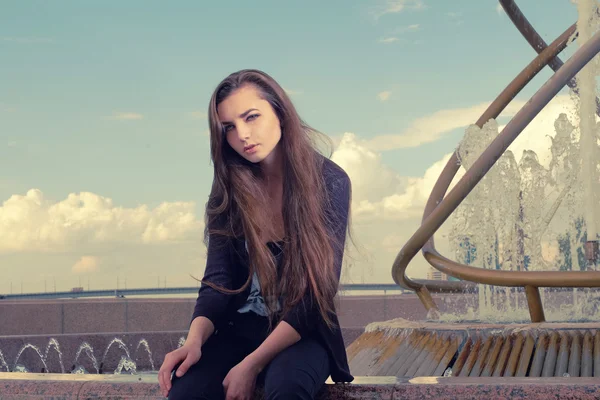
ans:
x=439 y=190
x=481 y=166
x=535 y=40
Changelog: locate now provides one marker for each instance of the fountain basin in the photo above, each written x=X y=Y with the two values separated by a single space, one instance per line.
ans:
x=29 y=386
x=410 y=349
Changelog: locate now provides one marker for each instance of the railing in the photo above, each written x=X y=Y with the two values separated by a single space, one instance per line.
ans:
x=172 y=290
x=439 y=207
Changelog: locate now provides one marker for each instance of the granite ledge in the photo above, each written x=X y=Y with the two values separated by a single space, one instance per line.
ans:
x=26 y=386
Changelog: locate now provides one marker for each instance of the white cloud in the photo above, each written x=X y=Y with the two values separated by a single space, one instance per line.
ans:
x=432 y=127
x=126 y=116
x=385 y=95
x=409 y=28
x=371 y=179
x=32 y=223
x=386 y=209
x=388 y=40
x=379 y=192
x=396 y=6
x=86 y=264
x=393 y=37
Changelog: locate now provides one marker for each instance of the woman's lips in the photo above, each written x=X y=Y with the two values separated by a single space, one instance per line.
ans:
x=250 y=149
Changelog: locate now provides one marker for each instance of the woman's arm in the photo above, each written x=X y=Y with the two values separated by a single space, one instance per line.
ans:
x=282 y=337
x=241 y=379
x=210 y=303
x=201 y=329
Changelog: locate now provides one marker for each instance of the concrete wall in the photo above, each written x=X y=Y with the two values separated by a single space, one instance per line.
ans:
x=32 y=317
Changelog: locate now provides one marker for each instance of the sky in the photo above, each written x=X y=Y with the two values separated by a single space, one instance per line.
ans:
x=104 y=150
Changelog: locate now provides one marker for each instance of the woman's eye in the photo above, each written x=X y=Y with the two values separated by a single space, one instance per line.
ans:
x=226 y=128
x=251 y=117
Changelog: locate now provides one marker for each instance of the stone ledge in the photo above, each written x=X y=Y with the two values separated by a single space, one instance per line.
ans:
x=30 y=386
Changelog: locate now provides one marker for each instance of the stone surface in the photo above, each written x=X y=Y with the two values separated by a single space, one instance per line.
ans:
x=33 y=317
x=30 y=317
x=20 y=386
x=95 y=316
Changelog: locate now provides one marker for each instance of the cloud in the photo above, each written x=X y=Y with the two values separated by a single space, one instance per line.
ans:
x=409 y=28
x=396 y=6
x=32 y=223
x=385 y=95
x=386 y=209
x=26 y=39
x=86 y=264
x=393 y=37
x=126 y=116
x=388 y=40
x=432 y=127
x=378 y=191
x=371 y=179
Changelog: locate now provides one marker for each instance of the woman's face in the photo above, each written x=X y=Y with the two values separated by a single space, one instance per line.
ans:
x=250 y=124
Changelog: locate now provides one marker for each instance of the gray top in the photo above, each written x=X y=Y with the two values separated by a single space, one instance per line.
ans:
x=255 y=301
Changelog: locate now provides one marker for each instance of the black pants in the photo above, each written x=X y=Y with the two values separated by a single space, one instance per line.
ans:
x=297 y=372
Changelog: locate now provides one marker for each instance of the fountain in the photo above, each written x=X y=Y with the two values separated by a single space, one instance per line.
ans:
x=504 y=214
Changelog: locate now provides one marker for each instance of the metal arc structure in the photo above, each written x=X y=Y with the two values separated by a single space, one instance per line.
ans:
x=440 y=206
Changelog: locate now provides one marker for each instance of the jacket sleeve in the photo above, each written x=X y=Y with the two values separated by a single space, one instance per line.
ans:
x=211 y=303
x=304 y=315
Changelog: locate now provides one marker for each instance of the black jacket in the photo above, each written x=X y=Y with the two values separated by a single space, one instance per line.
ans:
x=227 y=266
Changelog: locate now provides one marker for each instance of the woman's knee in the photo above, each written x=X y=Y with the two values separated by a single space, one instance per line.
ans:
x=195 y=389
x=298 y=372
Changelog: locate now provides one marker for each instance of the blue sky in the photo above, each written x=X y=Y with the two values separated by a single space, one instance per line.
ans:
x=108 y=97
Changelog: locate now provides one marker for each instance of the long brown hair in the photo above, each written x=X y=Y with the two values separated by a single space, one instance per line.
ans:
x=237 y=205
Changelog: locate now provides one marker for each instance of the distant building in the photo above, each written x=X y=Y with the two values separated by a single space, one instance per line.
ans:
x=436 y=275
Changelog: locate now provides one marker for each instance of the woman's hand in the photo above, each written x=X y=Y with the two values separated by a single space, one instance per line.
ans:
x=240 y=382
x=189 y=353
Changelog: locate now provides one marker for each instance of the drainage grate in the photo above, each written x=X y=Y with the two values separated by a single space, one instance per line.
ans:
x=525 y=353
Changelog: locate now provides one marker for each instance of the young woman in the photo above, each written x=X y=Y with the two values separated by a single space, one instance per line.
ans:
x=276 y=223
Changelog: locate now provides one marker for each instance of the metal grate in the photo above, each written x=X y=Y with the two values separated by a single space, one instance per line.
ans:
x=525 y=353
